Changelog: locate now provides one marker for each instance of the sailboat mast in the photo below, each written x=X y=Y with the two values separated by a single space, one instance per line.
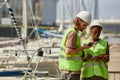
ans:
x=81 y=5
x=24 y=19
x=62 y=17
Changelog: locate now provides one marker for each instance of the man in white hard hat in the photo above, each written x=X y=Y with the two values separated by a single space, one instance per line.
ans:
x=70 y=61
x=96 y=58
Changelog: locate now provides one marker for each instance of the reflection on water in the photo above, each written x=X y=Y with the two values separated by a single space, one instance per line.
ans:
x=113 y=30
x=114 y=27
x=112 y=39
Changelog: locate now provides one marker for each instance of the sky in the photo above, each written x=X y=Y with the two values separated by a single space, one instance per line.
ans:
x=107 y=9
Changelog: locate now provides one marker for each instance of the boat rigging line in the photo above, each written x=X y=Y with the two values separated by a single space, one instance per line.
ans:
x=16 y=28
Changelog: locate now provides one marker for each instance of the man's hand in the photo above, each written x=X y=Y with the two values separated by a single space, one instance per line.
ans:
x=105 y=57
x=87 y=46
x=96 y=58
x=89 y=57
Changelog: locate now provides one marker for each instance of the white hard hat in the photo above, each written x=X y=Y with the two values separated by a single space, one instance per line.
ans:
x=95 y=23
x=85 y=16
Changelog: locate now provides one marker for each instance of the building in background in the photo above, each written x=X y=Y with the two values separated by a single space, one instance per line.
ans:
x=44 y=11
x=51 y=12
x=48 y=12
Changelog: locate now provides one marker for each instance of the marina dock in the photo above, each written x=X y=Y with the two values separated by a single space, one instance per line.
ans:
x=114 y=65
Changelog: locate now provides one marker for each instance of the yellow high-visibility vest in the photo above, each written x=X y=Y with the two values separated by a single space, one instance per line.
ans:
x=71 y=62
x=95 y=68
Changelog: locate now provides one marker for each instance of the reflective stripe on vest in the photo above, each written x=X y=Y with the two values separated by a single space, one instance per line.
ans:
x=70 y=58
x=95 y=64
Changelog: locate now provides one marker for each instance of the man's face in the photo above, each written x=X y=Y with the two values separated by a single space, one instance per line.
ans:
x=95 y=32
x=83 y=25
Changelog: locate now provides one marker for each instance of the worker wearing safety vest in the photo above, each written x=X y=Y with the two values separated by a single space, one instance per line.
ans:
x=95 y=66
x=70 y=61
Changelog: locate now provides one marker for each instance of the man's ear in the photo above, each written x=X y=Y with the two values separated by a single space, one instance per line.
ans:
x=78 y=22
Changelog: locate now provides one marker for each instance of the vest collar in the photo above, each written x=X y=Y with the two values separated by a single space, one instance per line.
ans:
x=76 y=30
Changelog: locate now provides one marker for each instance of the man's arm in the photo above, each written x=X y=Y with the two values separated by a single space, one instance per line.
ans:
x=71 y=44
x=103 y=57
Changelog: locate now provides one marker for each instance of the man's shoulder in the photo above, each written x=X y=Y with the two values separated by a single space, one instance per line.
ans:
x=72 y=33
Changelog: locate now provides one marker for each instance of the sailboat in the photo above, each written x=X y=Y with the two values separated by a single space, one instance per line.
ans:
x=35 y=63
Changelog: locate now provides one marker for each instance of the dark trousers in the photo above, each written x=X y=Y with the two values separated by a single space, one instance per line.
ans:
x=94 y=78
x=71 y=77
